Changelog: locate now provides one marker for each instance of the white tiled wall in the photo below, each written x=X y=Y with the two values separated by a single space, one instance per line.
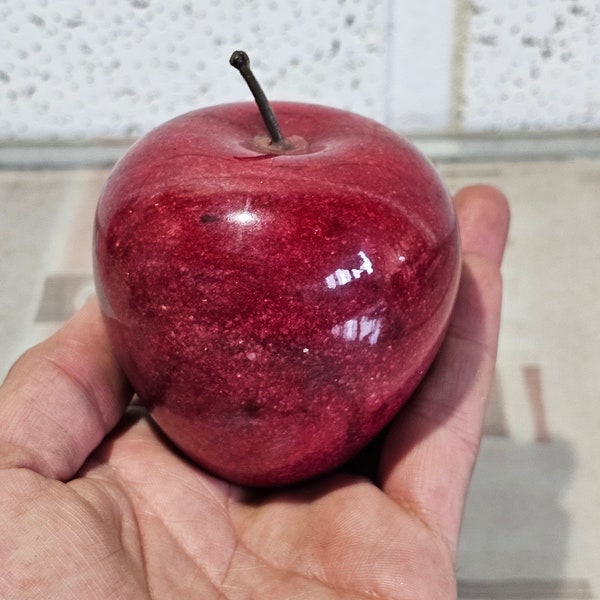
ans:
x=533 y=64
x=106 y=68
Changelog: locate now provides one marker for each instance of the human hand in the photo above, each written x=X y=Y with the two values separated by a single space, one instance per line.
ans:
x=95 y=503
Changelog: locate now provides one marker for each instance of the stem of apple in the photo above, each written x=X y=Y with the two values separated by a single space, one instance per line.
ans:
x=240 y=60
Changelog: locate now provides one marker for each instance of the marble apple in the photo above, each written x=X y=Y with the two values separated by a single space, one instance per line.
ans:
x=274 y=301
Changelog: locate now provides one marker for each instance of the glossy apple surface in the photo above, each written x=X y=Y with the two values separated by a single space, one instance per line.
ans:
x=274 y=310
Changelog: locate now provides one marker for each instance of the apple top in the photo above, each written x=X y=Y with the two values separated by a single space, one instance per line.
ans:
x=240 y=60
x=221 y=152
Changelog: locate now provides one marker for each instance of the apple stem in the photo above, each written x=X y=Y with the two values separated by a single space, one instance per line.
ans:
x=240 y=60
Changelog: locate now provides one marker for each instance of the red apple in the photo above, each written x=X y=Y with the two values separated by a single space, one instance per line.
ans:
x=274 y=304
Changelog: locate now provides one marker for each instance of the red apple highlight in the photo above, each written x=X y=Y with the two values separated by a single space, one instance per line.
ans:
x=274 y=305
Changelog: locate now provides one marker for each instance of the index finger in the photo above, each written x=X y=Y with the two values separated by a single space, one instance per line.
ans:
x=61 y=398
x=432 y=445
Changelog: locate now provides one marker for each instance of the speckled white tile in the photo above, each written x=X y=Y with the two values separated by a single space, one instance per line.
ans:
x=88 y=69
x=533 y=64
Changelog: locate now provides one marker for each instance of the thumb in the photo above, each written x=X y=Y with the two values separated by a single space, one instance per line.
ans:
x=61 y=398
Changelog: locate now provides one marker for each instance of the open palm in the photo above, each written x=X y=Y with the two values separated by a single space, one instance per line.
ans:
x=126 y=516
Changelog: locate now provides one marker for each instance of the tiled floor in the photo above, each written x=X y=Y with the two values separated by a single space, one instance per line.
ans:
x=533 y=516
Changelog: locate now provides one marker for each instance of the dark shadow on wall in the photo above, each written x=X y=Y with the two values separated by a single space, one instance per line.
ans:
x=515 y=531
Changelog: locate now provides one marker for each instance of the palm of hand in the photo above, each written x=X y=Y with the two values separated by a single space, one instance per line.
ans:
x=138 y=521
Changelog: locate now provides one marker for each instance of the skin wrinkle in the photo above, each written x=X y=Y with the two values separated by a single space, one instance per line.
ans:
x=287 y=571
x=19 y=456
x=90 y=391
x=204 y=493
x=123 y=499
x=146 y=511
x=116 y=494
x=82 y=390
x=350 y=529
x=119 y=498
x=40 y=489
x=81 y=384
x=65 y=370
x=200 y=572
x=320 y=580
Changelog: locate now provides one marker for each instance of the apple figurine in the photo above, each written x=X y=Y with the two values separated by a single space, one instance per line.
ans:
x=274 y=299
